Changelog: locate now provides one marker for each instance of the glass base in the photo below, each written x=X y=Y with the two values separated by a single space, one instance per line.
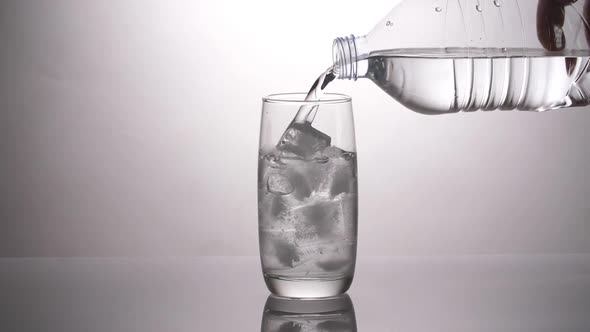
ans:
x=306 y=288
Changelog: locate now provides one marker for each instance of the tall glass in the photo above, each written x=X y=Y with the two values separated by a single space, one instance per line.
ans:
x=307 y=196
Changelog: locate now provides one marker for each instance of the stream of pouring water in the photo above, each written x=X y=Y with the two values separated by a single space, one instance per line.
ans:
x=307 y=113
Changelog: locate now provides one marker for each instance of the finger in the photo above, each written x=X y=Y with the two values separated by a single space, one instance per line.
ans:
x=550 y=19
x=565 y=2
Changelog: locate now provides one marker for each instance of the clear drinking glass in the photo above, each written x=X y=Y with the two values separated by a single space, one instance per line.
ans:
x=307 y=196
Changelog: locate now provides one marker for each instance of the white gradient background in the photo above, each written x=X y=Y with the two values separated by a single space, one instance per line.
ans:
x=131 y=128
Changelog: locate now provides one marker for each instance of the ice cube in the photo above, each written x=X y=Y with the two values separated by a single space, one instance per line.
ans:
x=290 y=327
x=333 y=152
x=279 y=184
x=334 y=264
x=318 y=219
x=278 y=207
x=333 y=248
x=300 y=183
x=333 y=178
x=337 y=256
x=336 y=326
x=342 y=180
x=278 y=249
x=324 y=156
x=327 y=254
x=269 y=210
x=285 y=252
x=303 y=140
x=274 y=212
x=323 y=216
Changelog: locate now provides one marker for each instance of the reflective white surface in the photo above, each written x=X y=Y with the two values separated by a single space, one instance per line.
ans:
x=405 y=294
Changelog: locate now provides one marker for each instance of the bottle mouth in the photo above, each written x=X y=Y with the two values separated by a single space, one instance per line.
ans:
x=344 y=56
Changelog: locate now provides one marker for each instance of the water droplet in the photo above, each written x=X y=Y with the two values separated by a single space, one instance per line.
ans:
x=438 y=9
x=478 y=8
x=497 y=3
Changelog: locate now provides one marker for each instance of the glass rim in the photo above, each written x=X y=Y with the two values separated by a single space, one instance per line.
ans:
x=298 y=98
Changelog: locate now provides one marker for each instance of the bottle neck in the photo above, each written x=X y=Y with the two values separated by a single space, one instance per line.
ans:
x=347 y=53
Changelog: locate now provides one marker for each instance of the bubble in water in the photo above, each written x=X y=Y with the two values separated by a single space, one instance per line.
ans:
x=438 y=9
x=478 y=8
x=497 y=3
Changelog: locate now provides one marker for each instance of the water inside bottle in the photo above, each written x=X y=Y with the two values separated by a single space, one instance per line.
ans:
x=449 y=81
x=439 y=81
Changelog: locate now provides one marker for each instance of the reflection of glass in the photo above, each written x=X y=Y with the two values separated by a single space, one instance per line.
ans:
x=334 y=314
x=307 y=196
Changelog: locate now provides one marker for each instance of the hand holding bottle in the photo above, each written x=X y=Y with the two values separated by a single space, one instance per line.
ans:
x=550 y=21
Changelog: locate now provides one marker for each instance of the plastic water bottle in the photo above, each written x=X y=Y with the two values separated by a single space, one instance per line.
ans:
x=446 y=56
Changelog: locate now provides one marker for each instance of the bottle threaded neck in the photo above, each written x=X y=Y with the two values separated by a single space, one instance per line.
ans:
x=345 y=57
